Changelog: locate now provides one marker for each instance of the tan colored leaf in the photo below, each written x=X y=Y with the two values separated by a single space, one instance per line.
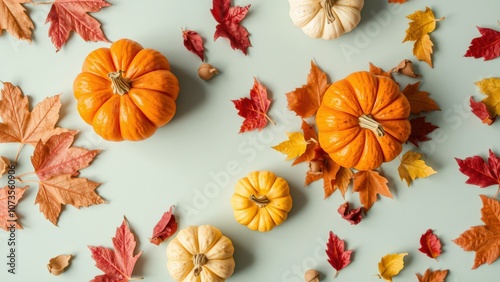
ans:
x=491 y=88
x=369 y=184
x=14 y=20
x=9 y=198
x=293 y=147
x=4 y=165
x=390 y=265
x=412 y=167
x=58 y=264
x=63 y=190
x=432 y=276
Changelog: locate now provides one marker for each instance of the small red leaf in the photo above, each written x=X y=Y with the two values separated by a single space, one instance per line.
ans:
x=481 y=111
x=165 y=228
x=419 y=130
x=430 y=244
x=254 y=109
x=486 y=46
x=480 y=172
x=194 y=43
x=337 y=256
x=229 y=18
x=354 y=216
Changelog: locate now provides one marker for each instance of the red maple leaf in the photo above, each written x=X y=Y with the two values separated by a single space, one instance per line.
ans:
x=119 y=263
x=486 y=46
x=193 y=42
x=338 y=257
x=430 y=244
x=480 y=172
x=481 y=111
x=164 y=228
x=254 y=109
x=56 y=156
x=354 y=216
x=229 y=18
x=419 y=130
x=67 y=15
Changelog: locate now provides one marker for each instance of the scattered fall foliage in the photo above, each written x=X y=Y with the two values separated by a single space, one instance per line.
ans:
x=486 y=46
x=480 y=110
x=480 y=172
x=254 y=109
x=491 y=88
x=194 y=43
x=390 y=265
x=430 y=244
x=413 y=167
x=294 y=147
x=229 y=24
x=369 y=184
x=165 y=228
x=338 y=257
x=15 y=20
x=58 y=264
x=354 y=216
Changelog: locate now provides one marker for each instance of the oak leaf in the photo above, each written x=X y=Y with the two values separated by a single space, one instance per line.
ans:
x=58 y=264
x=56 y=156
x=354 y=216
x=165 y=228
x=422 y=23
x=14 y=20
x=419 y=130
x=254 y=109
x=419 y=100
x=311 y=137
x=294 y=147
x=70 y=15
x=480 y=110
x=338 y=257
x=486 y=46
x=412 y=167
x=194 y=43
x=491 y=88
x=369 y=184
x=480 y=172
x=430 y=244
x=378 y=71
x=483 y=239
x=305 y=101
x=65 y=190
x=117 y=264
x=229 y=24
x=390 y=265
x=433 y=276
x=9 y=198
x=25 y=127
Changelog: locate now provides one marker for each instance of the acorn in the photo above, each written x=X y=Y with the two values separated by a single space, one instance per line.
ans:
x=207 y=71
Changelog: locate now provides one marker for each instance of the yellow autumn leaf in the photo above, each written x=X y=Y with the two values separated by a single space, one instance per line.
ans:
x=293 y=147
x=413 y=167
x=491 y=88
x=422 y=23
x=390 y=265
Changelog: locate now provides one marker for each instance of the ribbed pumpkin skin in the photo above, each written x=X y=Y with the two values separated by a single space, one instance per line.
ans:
x=204 y=240
x=148 y=105
x=339 y=130
x=260 y=184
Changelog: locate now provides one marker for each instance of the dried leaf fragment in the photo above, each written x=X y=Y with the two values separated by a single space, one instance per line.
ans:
x=390 y=265
x=430 y=244
x=354 y=216
x=58 y=264
x=8 y=218
x=4 y=165
x=432 y=276
x=378 y=71
x=405 y=67
x=338 y=257
x=412 y=167
x=165 y=228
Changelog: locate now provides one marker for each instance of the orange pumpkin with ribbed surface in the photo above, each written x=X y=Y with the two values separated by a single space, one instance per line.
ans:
x=363 y=121
x=126 y=91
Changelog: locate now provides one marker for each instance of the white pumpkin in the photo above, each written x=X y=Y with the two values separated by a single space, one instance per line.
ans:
x=327 y=19
x=200 y=254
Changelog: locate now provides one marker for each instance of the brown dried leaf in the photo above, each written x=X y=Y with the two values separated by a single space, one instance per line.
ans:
x=58 y=264
x=4 y=165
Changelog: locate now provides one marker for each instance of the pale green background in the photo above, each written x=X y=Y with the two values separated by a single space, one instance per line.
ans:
x=195 y=160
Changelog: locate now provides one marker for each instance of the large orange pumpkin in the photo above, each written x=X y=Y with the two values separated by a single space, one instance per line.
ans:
x=363 y=121
x=126 y=92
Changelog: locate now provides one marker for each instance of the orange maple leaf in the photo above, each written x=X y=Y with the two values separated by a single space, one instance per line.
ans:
x=305 y=101
x=15 y=20
x=369 y=183
x=311 y=138
x=484 y=239
x=419 y=100
x=433 y=276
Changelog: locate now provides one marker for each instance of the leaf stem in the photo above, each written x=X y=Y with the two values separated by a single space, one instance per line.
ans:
x=18 y=153
x=269 y=119
x=440 y=19
x=24 y=174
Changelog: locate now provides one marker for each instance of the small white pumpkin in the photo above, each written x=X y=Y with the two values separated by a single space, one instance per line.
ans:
x=200 y=254
x=327 y=19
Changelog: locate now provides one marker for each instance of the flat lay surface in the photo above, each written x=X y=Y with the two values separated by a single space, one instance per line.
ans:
x=195 y=161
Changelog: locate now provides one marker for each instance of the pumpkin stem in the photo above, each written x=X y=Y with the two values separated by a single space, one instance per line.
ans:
x=120 y=84
x=328 y=5
x=199 y=260
x=261 y=201
x=367 y=121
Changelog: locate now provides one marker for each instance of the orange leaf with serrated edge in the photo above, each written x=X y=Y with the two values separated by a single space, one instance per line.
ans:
x=419 y=100
x=484 y=239
x=14 y=20
x=369 y=184
x=305 y=101
x=430 y=244
x=432 y=276
x=378 y=71
x=8 y=198
x=311 y=138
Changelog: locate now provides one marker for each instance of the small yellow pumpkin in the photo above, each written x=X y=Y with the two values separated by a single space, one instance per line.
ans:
x=200 y=254
x=261 y=200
